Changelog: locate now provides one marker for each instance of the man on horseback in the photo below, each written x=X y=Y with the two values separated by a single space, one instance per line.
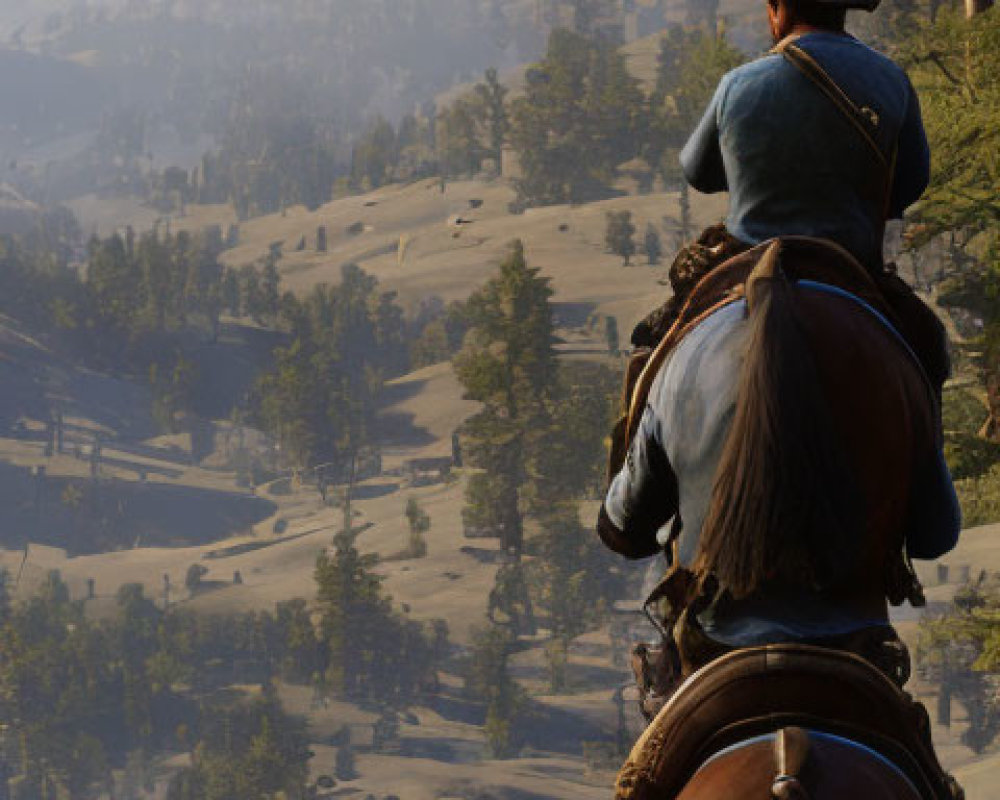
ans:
x=783 y=442
x=823 y=137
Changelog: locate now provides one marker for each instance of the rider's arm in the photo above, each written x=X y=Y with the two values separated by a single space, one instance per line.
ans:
x=913 y=160
x=701 y=158
x=642 y=497
x=935 y=518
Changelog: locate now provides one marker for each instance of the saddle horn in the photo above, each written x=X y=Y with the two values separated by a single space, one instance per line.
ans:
x=791 y=752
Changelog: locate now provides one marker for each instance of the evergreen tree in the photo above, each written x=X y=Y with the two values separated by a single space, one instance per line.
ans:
x=955 y=66
x=619 y=234
x=690 y=63
x=270 y=283
x=349 y=597
x=459 y=150
x=611 y=335
x=419 y=523
x=582 y=114
x=508 y=364
x=374 y=156
x=652 y=245
x=960 y=652
x=574 y=579
x=489 y=681
x=491 y=96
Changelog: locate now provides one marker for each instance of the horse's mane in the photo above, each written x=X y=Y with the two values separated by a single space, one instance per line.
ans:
x=784 y=505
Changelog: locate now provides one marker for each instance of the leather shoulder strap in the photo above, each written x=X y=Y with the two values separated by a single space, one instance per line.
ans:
x=864 y=119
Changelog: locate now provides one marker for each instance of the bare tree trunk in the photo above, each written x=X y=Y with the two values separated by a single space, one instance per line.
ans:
x=685 y=204
x=973 y=7
x=348 y=495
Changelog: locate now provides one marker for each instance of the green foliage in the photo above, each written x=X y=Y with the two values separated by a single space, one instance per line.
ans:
x=508 y=364
x=142 y=294
x=611 y=335
x=690 y=64
x=419 y=523
x=963 y=415
x=569 y=461
x=273 y=154
x=371 y=652
x=970 y=456
x=960 y=652
x=193 y=576
x=374 y=156
x=320 y=399
x=37 y=284
x=956 y=64
x=172 y=391
x=510 y=604
x=491 y=97
x=489 y=681
x=537 y=446
x=458 y=142
x=652 y=245
x=979 y=497
x=345 y=768
x=251 y=751
x=574 y=576
x=619 y=235
x=82 y=695
x=581 y=115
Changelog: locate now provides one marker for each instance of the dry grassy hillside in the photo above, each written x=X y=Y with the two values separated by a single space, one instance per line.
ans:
x=412 y=238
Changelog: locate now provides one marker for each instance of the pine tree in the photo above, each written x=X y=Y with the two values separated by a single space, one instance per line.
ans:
x=491 y=96
x=582 y=114
x=619 y=234
x=611 y=335
x=270 y=288
x=350 y=600
x=489 y=681
x=508 y=364
x=652 y=245
x=459 y=150
x=419 y=523
x=574 y=579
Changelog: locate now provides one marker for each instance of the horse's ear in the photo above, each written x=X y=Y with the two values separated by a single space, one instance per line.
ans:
x=768 y=268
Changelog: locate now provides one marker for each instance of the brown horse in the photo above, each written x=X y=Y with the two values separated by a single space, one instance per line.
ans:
x=786 y=721
x=842 y=769
x=826 y=465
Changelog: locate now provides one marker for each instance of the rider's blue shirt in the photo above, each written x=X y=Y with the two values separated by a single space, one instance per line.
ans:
x=794 y=164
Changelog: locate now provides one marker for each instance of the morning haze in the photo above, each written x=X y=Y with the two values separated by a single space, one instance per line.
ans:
x=313 y=316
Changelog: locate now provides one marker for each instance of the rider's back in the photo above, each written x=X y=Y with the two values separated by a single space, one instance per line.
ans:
x=794 y=163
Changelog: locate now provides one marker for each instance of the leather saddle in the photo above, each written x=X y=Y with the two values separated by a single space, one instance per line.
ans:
x=762 y=690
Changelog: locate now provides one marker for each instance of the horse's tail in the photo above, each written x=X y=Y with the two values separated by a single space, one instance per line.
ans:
x=783 y=506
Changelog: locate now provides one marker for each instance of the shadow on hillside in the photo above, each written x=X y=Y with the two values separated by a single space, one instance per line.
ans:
x=226 y=369
x=39 y=383
x=367 y=491
x=85 y=517
x=583 y=675
x=572 y=315
x=396 y=428
x=484 y=555
x=558 y=731
x=543 y=728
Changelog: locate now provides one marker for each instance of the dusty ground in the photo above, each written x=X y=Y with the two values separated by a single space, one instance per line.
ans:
x=411 y=240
